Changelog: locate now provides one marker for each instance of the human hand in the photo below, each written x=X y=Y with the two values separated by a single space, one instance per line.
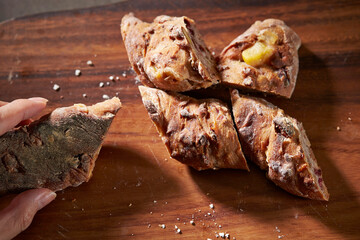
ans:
x=18 y=216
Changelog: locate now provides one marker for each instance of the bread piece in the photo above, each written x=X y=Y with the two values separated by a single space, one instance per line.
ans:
x=198 y=133
x=278 y=144
x=169 y=53
x=264 y=58
x=253 y=118
x=57 y=151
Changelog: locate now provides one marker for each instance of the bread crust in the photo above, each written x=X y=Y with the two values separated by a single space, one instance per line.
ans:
x=278 y=75
x=57 y=151
x=169 y=53
x=198 y=133
x=279 y=145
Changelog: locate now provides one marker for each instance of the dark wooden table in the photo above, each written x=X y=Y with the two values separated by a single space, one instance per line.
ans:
x=136 y=186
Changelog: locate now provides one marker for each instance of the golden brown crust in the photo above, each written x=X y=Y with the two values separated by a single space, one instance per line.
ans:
x=169 y=53
x=278 y=144
x=253 y=125
x=135 y=34
x=276 y=76
x=198 y=133
x=102 y=110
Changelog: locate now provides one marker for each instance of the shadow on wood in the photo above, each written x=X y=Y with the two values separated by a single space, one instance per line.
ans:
x=103 y=206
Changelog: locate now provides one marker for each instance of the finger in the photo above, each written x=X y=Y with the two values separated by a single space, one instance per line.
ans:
x=16 y=111
x=19 y=214
x=2 y=103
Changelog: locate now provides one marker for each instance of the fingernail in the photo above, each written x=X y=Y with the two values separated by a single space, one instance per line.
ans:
x=38 y=99
x=45 y=199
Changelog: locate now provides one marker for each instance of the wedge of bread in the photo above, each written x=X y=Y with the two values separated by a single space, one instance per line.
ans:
x=169 y=53
x=264 y=58
x=279 y=145
x=198 y=133
x=57 y=151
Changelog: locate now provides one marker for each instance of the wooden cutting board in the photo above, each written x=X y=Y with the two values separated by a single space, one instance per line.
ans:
x=136 y=186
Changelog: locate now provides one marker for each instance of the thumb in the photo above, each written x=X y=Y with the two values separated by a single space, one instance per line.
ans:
x=18 y=216
x=16 y=111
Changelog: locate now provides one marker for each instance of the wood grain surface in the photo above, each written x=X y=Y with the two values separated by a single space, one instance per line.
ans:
x=136 y=186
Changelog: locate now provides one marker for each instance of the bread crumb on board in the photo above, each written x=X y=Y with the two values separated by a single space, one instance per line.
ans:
x=178 y=230
x=77 y=72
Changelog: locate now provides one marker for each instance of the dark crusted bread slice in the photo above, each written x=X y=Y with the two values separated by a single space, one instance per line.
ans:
x=198 y=133
x=278 y=144
x=169 y=53
x=57 y=151
x=264 y=58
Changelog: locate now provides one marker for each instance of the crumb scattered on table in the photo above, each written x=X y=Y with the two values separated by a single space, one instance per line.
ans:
x=178 y=230
x=56 y=87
